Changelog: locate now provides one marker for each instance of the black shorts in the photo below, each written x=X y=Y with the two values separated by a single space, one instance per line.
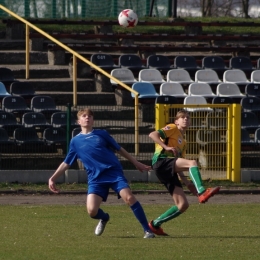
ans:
x=164 y=170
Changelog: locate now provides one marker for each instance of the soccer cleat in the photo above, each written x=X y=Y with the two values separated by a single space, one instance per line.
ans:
x=208 y=193
x=149 y=234
x=100 y=227
x=156 y=230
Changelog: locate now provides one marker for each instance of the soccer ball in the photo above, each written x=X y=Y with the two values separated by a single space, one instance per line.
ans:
x=128 y=18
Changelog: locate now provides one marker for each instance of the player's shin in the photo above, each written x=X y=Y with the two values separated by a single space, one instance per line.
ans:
x=171 y=213
x=196 y=179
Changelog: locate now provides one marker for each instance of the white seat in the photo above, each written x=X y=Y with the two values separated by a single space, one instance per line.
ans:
x=235 y=76
x=123 y=74
x=181 y=76
x=200 y=89
x=229 y=90
x=207 y=76
x=172 y=89
x=255 y=76
x=153 y=76
x=196 y=100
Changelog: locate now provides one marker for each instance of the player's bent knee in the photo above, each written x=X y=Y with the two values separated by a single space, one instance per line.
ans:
x=92 y=212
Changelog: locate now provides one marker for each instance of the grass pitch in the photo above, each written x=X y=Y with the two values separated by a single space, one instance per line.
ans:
x=66 y=232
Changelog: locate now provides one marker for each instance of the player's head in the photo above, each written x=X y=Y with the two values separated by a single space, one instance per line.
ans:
x=182 y=115
x=87 y=111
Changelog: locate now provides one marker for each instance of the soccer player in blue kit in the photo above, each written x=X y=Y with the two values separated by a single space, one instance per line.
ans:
x=95 y=148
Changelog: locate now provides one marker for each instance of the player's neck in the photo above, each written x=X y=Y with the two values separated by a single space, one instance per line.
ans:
x=86 y=130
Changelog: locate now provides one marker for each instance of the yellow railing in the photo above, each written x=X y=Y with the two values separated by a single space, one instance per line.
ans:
x=232 y=152
x=75 y=56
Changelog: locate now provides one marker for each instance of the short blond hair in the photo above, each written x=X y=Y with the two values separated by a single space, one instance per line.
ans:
x=87 y=111
x=182 y=113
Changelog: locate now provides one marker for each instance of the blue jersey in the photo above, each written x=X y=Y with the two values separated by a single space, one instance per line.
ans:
x=96 y=151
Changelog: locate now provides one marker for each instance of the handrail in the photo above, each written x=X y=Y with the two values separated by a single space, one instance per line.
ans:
x=75 y=56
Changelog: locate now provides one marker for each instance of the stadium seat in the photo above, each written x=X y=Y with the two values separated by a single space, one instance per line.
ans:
x=250 y=104
x=208 y=76
x=200 y=89
x=229 y=90
x=253 y=89
x=15 y=104
x=153 y=76
x=123 y=74
x=104 y=61
x=55 y=136
x=75 y=131
x=7 y=76
x=257 y=136
x=196 y=101
x=172 y=89
x=236 y=76
x=249 y=121
x=23 y=89
x=159 y=62
x=146 y=90
x=3 y=91
x=131 y=61
x=247 y=143
x=222 y=100
x=181 y=76
x=59 y=119
x=215 y=63
x=242 y=63
x=166 y=100
x=255 y=76
x=36 y=120
x=186 y=62
x=8 y=122
x=216 y=119
x=4 y=139
x=27 y=136
x=44 y=104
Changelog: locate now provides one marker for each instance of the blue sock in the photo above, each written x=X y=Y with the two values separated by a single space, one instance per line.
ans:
x=101 y=215
x=140 y=215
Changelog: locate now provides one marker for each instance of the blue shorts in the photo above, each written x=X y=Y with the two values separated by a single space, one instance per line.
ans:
x=102 y=189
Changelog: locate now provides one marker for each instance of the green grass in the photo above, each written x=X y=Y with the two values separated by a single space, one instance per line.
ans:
x=135 y=186
x=66 y=232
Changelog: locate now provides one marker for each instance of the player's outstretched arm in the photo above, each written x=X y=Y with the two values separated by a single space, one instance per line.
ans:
x=61 y=170
x=139 y=166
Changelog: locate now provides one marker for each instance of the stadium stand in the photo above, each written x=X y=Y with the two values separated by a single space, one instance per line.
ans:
x=123 y=74
x=104 y=61
x=186 y=62
x=45 y=105
x=23 y=89
x=253 y=89
x=200 y=89
x=166 y=100
x=6 y=77
x=8 y=122
x=236 y=76
x=208 y=76
x=24 y=136
x=196 y=100
x=5 y=139
x=15 y=104
x=250 y=104
x=159 y=62
x=59 y=120
x=55 y=137
x=172 y=89
x=181 y=76
x=215 y=63
x=146 y=91
x=153 y=76
x=242 y=63
x=247 y=144
x=35 y=120
x=3 y=91
x=222 y=100
x=249 y=121
x=229 y=90
x=255 y=76
x=131 y=61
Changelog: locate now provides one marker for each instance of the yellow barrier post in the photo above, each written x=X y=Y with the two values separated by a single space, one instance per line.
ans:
x=236 y=143
x=136 y=126
x=75 y=101
x=229 y=141
x=27 y=56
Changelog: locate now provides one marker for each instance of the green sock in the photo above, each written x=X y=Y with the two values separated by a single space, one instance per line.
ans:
x=171 y=213
x=196 y=179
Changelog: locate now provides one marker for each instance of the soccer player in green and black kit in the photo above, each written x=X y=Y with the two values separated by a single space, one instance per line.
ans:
x=169 y=163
